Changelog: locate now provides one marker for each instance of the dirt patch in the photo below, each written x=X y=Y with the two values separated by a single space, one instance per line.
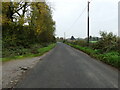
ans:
x=13 y=70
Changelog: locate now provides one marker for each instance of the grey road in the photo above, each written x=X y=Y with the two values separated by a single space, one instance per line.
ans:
x=66 y=67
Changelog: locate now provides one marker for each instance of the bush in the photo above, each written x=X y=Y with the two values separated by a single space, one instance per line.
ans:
x=82 y=43
x=112 y=58
x=20 y=52
x=107 y=43
x=118 y=44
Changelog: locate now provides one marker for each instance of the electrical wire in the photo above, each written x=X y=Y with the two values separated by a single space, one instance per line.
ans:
x=78 y=17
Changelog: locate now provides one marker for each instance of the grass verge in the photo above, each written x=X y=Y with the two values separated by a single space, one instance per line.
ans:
x=30 y=53
x=111 y=58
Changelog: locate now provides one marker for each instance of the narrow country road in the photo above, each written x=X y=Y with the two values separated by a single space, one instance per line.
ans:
x=66 y=67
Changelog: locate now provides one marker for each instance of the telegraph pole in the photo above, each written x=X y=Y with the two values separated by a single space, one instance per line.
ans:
x=64 y=35
x=88 y=23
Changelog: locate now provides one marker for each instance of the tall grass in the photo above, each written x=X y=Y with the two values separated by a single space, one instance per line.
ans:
x=111 y=58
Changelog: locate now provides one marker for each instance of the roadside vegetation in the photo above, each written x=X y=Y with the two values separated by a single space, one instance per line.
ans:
x=27 y=29
x=107 y=49
x=20 y=53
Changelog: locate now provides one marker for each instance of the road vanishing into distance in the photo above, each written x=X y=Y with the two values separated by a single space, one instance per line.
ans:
x=66 y=67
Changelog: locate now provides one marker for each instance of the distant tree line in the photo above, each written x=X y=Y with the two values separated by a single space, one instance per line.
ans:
x=106 y=43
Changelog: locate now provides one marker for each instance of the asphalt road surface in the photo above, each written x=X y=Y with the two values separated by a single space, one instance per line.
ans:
x=66 y=67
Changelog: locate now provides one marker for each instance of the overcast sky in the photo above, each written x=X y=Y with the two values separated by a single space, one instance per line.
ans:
x=103 y=17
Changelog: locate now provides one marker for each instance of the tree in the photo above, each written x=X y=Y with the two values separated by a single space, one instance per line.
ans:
x=72 y=38
x=40 y=26
x=42 y=21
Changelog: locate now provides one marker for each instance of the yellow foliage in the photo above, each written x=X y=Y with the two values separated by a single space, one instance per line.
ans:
x=4 y=19
x=0 y=19
x=21 y=20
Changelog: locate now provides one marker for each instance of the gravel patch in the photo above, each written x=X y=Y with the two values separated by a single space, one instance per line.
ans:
x=12 y=71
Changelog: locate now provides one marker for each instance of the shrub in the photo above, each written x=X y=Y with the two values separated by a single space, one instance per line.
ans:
x=118 y=44
x=107 y=43
x=82 y=43
x=112 y=58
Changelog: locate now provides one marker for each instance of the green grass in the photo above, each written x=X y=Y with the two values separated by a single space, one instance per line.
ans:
x=25 y=53
x=111 y=58
x=93 y=41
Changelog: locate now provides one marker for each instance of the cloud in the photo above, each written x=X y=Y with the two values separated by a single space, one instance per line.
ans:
x=103 y=16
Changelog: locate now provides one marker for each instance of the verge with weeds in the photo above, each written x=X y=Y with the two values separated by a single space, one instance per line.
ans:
x=111 y=58
x=20 y=52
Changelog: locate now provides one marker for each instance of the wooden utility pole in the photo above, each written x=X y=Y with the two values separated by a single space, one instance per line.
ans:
x=64 y=35
x=88 y=24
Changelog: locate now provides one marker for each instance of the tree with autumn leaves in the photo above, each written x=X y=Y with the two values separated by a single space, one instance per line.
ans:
x=25 y=23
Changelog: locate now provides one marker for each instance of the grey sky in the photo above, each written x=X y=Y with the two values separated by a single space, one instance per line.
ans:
x=103 y=16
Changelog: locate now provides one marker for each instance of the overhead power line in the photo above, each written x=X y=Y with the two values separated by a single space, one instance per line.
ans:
x=78 y=17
